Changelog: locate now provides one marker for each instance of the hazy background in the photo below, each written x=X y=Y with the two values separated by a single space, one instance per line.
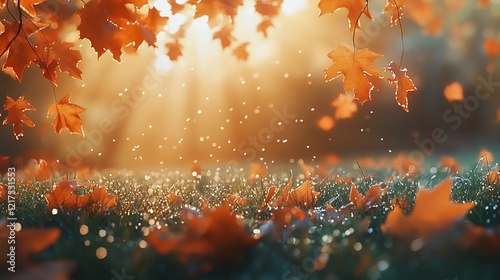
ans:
x=207 y=104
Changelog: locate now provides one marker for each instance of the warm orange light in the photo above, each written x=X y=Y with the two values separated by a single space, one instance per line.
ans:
x=326 y=123
x=454 y=92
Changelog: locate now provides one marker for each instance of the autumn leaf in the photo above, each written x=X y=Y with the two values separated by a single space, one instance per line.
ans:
x=432 y=214
x=345 y=107
x=29 y=6
x=174 y=50
x=264 y=25
x=67 y=115
x=63 y=197
x=355 y=9
x=29 y=242
x=356 y=68
x=403 y=84
x=43 y=173
x=225 y=35
x=214 y=8
x=154 y=21
x=240 y=52
x=395 y=7
x=268 y=8
x=235 y=199
x=371 y=199
x=281 y=200
x=16 y=114
x=270 y=194
x=304 y=196
x=216 y=239
x=59 y=54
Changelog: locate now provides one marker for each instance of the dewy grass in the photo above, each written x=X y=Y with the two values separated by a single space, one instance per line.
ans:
x=315 y=248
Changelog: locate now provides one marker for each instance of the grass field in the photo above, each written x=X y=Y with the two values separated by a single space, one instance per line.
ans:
x=320 y=239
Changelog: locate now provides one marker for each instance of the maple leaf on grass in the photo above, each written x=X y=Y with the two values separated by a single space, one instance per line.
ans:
x=29 y=242
x=371 y=199
x=216 y=239
x=355 y=9
x=433 y=213
x=16 y=114
x=357 y=69
x=67 y=115
x=402 y=83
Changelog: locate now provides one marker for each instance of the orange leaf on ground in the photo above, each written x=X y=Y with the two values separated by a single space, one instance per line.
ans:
x=355 y=9
x=493 y=177
x=216 y=239
x=357 y=69
x=29 y=242
x=68 y=115
x=99 y=200
x=16 y=114
x=403 y=84
x=371 y=199
x=270 y=194
x=304 y=196
x=432 y=214
x=235 y=199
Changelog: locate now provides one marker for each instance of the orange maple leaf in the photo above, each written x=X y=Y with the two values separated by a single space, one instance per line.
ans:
x=29 y=242
x=214 y=8
x=216 y=239
x=355 y=9
x=241 y=52
x=59 y=54
x=63 y=197
x=29 y=6
x=395 y=7
x=264 y=25
x=371 y=199
x=16 y=114
x=304 y=196
x=225 y=35
x=174 y=50
x=356 y=68
x=68 y=115
x=268 y=8
x=432 y=214
x=403 y=84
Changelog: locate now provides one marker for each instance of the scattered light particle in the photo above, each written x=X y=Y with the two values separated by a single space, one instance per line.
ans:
x=101 y=253
x=84 y=229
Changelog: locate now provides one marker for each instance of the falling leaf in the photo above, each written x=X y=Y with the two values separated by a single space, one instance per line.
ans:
x=68 y=115
x=356 y=68
x=16 y=114
x=403 y=84
x=491 y=47
x=264 y=25
x=345 y=107
x=454 y=92
x=268 y=8
x=154 y=21
x=214 y=8
x=174 y=50
x=395 y=7
x=432 y=214
x=355 y=9
x=240 y=52
x=371 y=199
x=225 y=35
